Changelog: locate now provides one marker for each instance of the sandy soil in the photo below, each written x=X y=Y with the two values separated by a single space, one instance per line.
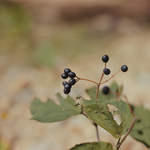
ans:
x=19 y=85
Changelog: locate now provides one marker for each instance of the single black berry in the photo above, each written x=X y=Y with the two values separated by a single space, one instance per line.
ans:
x=67 y=70
x=66 y=91
x=72 y=81
x=105 y=58
x=105 y=90
x=64 y=83
x=71 y=74
x=67 y=86
x=106 y=71
x=124 y=68
x=64 y=76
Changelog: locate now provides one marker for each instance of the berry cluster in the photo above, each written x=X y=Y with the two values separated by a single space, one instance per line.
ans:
x=67 y=85
x=106 y=71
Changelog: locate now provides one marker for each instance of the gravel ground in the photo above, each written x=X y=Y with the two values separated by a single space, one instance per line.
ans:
x=20 y=84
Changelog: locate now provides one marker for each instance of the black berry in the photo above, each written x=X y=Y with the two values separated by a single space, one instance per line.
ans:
x=64 y=76
x=105 y=58
x=66 y=91
x=105 y=90
x=124 y=68
x=64 y=83
x=67 y=70
x=106 y=71
x=67 y=86
x=71 y=74
x=72 y=81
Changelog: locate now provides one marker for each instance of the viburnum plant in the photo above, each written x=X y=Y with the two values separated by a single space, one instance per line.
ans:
x=98 y=110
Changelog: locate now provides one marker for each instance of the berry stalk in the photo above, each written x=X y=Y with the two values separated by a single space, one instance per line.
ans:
x=86 y=80
x=98 y=86
x=120 y=143
x=110 y=77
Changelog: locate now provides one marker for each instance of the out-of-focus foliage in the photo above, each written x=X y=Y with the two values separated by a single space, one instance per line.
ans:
x=15 y=27
x=45 y=55
x=4 y=145
x=112 y=94
x=141 y=129
x=43 y=45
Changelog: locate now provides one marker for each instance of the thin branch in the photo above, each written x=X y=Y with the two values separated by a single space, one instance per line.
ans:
x=118 y=140
x=100 y=82
x=105 y=65
x=85 y=115
x=110 y=77
x=134 y=120
x=101 y=78
x=97 y=133
x=96 y=127
x=98 y=86
x=87 y=80
x=97 y=91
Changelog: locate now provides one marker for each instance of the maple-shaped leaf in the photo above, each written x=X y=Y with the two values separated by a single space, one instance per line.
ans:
x=50 y=112
x=99 y=113
x=124 y=112
x=93 y=146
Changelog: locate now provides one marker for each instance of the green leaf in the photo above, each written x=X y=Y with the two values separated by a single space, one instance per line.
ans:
x=92 y=92
x=115 y=88
x=102 y=118
x=124 y=112
x=50 y=112
x=99 y=113
x=141 y=129
x=93 y=146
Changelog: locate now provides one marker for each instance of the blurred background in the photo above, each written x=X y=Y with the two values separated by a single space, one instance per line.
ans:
x=39 y=38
